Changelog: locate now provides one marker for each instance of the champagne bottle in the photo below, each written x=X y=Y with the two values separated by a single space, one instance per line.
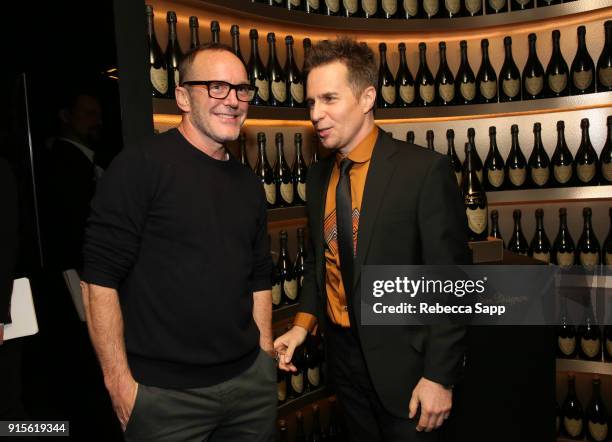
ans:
x=235 y=32
x=410 y=137
x=331 y=7
x=608 y=342
x=494 y=169
x=563 y=253
x=426 y=91
x=306 y=44
x=509 y=76
x=285 y=270
x=295 y=5
x=429 y=136
x=605 y=158
x=516 y=164
x=243 y=155
x=431 y=8
x=369 y=8
x=496 y=6
x=589 y=337
x=562 y=160
x=334 y=431
x=311 y=362
x=215 y=32
x=173 y=54
x=587 y=249
x=566 y=339
x=517 y=243
x=281 y=388
x=276 y=76
x=604 y=64
x=445 y=82
x=583 y=69
x=282 y=176
x=157 y=64
x=264 y=171
x=283 y=432
x=390 y=8
x=411 y=9
x=586 y=158
x=539 y=163
x=316 y=435
x=572 y=412
x=533 y=73
x=404 y=81
x=296 y=380
x=557 y=73
x=519 y=5
x=452 y=155
x=486 y=80
x=295 y=81
x=300 y=260
x=471 y=134
x=315 y=151
x=465 y=78
x=473 y=7
x=452 y=8
x=312 y=6
x=386 y=82
x=350 y=8
x=194 y=27
x=606 y=251
x=596 y=416
x=299 y=171
x=540 y=245
x=258 y=75
x=275 y=280
x=474 y=198
x=300 y=435
x=495 y=232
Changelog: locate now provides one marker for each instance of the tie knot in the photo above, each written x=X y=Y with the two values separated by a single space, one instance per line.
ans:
x=345 y=166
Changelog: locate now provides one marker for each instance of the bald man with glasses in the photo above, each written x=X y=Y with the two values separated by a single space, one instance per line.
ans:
x=177 y=272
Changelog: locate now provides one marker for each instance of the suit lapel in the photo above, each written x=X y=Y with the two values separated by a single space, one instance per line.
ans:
x=379 y=173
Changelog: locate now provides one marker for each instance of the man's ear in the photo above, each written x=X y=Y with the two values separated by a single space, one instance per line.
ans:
x=368 y=99
x=183 y=100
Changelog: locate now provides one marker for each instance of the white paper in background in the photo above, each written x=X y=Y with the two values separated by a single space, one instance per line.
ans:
x=73 y=282
x=23 y=315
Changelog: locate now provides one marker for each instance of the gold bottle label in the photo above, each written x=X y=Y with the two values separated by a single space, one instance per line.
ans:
x=477 y=219
x=562 y=173
x=388 y=94
x=605 y=76
x=314 y=376
x=411 y=7
x=609 y=263
x=544 y=257
x=389 y=6
x=427 y=92
x=583 y=79
x=369 y=6
x=295 y=3
x=572 y=426
x=177 y=79
x=495 y=177
x=279 y=90
x=291 y=289
x=567 y=345
x=282 y=391
x=333 y=5
x=270 y=190
x=301 y=189
x=314 y=4
x=262 y=89
x=497 y=4
x=565 y=259
x=589 y=259
x=452 y=6
x=534 y=85
x=297 y=382
x=431 y=6
x=540 y=175
x=590 y=347
x=511 y=87
x=557 y=82
x=350 y=5
x=522 y=2
x=159 y=79
x=407 y=93
x=585 y=172
x=276 y=294
x=517 y=176
x=447 y=92
x=599 y=432
x=488 y=89
x=606 y=170
x=297 y=92
x=286 y=191
x=473 y=6
x=468 y=90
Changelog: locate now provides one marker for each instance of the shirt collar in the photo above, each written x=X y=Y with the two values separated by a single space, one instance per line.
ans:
x=362 y=153
x=86 y=150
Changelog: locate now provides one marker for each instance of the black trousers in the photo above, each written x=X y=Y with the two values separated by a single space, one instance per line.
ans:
x=365 y=416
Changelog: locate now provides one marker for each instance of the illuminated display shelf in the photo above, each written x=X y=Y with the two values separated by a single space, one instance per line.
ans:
x=588 y=367
x=551 y=195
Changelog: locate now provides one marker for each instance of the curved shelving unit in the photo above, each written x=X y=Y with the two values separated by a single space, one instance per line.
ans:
x=552 y=195
x=589 y=367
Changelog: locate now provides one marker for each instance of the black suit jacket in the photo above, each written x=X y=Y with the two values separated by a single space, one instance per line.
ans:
x=411 y=213
x=8 y=237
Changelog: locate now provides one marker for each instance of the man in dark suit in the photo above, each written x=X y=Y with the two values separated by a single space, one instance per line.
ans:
x=375 y=201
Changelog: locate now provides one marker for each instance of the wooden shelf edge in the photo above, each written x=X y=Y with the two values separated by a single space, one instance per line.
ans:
x=304 y=400
x=550 y=195
x=590 y=367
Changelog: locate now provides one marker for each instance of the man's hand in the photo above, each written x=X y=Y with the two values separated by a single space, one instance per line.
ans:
x=267 y=345
x=435 y=401
x=286 y=344
x=123 y=395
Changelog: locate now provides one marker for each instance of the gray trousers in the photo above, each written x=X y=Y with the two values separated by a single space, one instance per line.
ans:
x=240 y=409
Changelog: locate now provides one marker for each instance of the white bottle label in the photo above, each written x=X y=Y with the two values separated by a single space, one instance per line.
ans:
x=427 y=92
x=369 y=6
x=562 y=173
x=447 y=92
x=606 y=169
x=511 y=87
x=297 y=382
x=389 y=6
x=276 y=294
x=297 y=92
x=279 y=90
x=431 y=6
x=545 y=257
x=388 y=94
x=585 y=172
x=495 y=177
x=286 y=191
x=477 y=219
x=583 y=79
x=452 y=6
x=412 y=7
x=540 y=175
x=301 y=189
x=350 y=5
x=565 y=259
x=468 y=90
x=473 y=6
x=290 y=287
x=488 y=89
x=497 y=4
x=333 y=5
x=534 y=85
x=407 y=93
x=262 y=89
x=282 y=390
x=517 y=176
x=567 y=345
x=589 y=259
x=590 y=347
x=270 y=190
x=159 y=79
x=314 y=376
x=605 y=76
x=572 y=426
x=557 y=82
x=599 y=432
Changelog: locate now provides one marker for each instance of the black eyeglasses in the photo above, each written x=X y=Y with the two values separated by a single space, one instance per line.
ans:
x=221 y=89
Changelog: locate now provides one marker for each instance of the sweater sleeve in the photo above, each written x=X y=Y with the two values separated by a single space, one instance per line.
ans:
x=262 y=261
x=117 y=219
x=9 y=227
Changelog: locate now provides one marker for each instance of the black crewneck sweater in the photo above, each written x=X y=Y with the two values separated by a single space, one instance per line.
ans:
x=183 y=238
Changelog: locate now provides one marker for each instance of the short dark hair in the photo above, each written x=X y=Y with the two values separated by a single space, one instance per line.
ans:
x=356 y=56
x=187 y=61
